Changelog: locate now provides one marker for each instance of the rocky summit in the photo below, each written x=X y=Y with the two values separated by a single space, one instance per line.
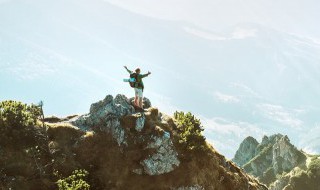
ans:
x=109 y=114
x=246 y=151
x=120 y=149
x=275 y=161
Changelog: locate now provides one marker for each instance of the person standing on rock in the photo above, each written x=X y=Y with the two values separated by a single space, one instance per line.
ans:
x=138 y=86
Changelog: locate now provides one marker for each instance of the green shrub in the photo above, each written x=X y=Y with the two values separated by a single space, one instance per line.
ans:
x=314 y=165
x=18 y=115
x=76 y=181
x=301 y=181
x=190 y=131
x=307 y=179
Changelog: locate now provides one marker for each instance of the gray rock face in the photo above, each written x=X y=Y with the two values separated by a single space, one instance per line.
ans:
x=140 y=123
x=105 y=116
x=164 y=160
x=274 y=155
x=146 y=103
x=265 y=140
x=269 y=140
x=285 y=155
x=246 y=151
x=262 y=162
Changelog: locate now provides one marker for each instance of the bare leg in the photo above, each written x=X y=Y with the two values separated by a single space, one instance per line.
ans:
x=140 y=103
x=136 y=100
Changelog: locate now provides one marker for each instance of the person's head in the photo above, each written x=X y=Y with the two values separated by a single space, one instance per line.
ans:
x=137 y=70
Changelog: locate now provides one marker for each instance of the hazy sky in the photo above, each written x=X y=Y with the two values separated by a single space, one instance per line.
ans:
x=293 y=16
x=245 y=67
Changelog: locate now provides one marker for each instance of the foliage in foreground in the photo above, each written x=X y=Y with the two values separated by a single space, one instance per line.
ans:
x=190 y=129
x=76 y=181
x=18 y=115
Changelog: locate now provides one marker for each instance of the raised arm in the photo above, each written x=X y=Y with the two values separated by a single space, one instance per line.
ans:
x=127 y=69
x=145 y=75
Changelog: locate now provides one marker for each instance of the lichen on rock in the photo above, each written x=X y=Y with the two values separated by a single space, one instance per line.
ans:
x=140 y=123
x=105 y=116
x=164 y=160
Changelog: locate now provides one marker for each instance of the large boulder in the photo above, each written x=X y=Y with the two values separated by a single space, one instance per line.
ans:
x=105 y=116
x=164 y=160
x=117 y=115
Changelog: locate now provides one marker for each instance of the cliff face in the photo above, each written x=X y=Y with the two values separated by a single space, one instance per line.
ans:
x=286 y=156
x=274 y=161
x=305 y=177
x=122 y=149
x=246 y=151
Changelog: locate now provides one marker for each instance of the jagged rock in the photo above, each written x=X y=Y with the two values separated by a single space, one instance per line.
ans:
x=265 y=140
x=146 y=102
x=164 y=160
x=136 y=121
x=140 y=123
x=285 y=155
x=246 y=151
x=105 y=115
x=261 y=163
x=273 y=156
x=269 y=140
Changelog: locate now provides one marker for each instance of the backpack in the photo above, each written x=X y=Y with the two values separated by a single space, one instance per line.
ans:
x=133 y=81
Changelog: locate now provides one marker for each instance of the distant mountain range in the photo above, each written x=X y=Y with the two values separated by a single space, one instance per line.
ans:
x=279 y=164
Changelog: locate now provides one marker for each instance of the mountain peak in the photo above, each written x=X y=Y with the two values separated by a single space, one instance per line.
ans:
x=274 y=155
x=150 y=143
x=121 y=149
x=246 y=151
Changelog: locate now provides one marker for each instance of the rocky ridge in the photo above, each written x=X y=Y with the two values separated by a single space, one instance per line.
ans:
x=246 y=151
x=121 y=149
x=272 y=157
x=107 y=115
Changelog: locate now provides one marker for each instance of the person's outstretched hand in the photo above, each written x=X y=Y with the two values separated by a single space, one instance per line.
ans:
x=149 y=72
x=125 y=67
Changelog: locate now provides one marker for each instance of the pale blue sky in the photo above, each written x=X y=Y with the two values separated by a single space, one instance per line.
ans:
x=293 y=16
x=244 y=67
